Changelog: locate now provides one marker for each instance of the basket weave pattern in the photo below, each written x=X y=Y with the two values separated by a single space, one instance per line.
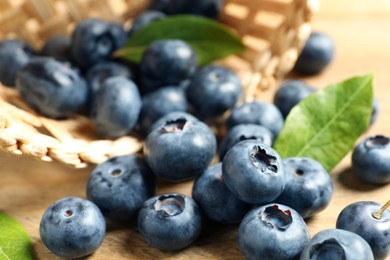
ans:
x=273 y=31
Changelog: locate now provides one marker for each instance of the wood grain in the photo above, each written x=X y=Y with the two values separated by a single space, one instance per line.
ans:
x=360 y=30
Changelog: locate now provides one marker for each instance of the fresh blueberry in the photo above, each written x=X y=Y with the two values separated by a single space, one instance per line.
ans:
x=181 y=148
x=245 y=132
x=316 y=55
x=167 y=63
x=120 y=185
x=257 y=112
x=51 y=87
x=272 y=231
x=57 y=47
x=360 y=218
x=308 y=189
x=116 y=107
x=213 y=90
x=332 y=244
x=145 y=19
x=290 y=93
x=98 y=73
x=72 y=227
x=170 y=221
x=254 y=172
x=371 y=159
x=160 y=103
x=94 y=40
x=208 y=8
x=14 y=54
x=215 y=199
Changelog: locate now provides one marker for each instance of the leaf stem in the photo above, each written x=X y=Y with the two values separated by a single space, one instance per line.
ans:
x=378 y=214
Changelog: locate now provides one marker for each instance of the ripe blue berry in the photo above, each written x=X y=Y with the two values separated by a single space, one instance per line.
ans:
x=316 y=55
x=72 y=227
x=14 y=54
x=120 y=185
x=167 y=63
x=215 y=199
x=337 y=244
x=290 y=93
x=213 y=90
x=170 y=221
x=272 y=231
x=179 y=147
x=359 y=217
x=257 y=112
x=254 y=172
x=308 y=189
x=57 y=47
x=51 y=87
x=371 y=159
x=116 y=107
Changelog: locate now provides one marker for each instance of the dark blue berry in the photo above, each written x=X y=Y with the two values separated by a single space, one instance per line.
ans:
x=170 y=221
x=213 y=90
x=57 y=47
x=167 y=63
x=215 y=199
x=181 y=148
x=208 y=8
x=316 y=55
x=72 y=227
x=14 y=54
x=51 y=87
x=308 y=189
x=120 y=185
x=254 y=172
x=116 y=107
x=272 y=231
x=330 y=244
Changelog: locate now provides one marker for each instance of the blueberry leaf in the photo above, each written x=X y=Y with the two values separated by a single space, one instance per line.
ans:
x=211 y=40
x=14 y=240
x=326 y=125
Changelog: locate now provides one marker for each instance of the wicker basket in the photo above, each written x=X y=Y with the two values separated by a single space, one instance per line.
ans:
x=273 y=31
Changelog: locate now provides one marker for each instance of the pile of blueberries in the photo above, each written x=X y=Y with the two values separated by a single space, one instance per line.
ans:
x=168 y=99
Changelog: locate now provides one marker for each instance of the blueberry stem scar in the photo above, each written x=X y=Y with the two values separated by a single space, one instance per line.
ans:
x=378 y=214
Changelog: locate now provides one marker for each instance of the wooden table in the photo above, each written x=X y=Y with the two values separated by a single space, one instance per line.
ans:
x=361 y=31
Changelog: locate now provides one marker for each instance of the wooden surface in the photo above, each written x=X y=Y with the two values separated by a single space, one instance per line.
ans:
x=361 y=31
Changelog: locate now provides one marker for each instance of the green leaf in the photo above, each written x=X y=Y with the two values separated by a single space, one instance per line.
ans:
x=326 y=125
x=14 y=240
x=210 y=39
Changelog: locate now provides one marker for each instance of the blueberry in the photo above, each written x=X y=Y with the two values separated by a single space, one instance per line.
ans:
x=181 y=148
x=167 y=63
x=245 y=132
x=376 y=107
x=57 y=47
x=94 y=40
x=170 y=221
x=145 y=19
x=98 y=73
x=308 y=189
x=330 y=244
x=120 y=185
x=159 y=103
x=257 y=112
x=359 y=217
x=215 y=199
x=272 y=231
x=254 y=172
x=371 y=159
x=290 y=93
x=116 y=107
x=72 y=227
x=316 y=55
x=51 y=87
x=14 y=54
x=213 y=90
x=208 y=8
x=172 y=116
